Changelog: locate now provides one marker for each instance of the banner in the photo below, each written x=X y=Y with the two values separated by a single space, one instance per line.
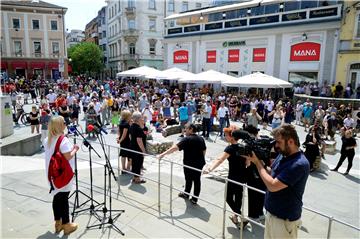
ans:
x=233 y=55
x=305 y=51
x=211 y=56
x=181 y=56
x=259 y=54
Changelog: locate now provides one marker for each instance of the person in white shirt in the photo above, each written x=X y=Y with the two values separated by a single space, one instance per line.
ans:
x=222 y=113
x=349 y=123
x=60 y=202
x=52 y=98
x=298 y=113
x=98 y=109
x=206 y=120
x=147 y=112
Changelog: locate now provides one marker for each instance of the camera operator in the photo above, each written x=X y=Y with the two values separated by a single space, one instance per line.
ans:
x=285 y=184
x=237 y=172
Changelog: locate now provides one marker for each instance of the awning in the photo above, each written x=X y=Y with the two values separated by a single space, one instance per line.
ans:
x=69 y=68
x=3 y=65
x=53 y=65
x=19 y=64
x=37 y=65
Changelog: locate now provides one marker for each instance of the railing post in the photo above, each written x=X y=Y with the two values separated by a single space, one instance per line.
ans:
x=119 y=163
x=242 y=212
x=171 y=185
x=329 y=227
x=224 y=208
x=159 y=185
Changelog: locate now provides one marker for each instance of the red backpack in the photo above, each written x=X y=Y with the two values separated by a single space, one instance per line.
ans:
x=60 y=172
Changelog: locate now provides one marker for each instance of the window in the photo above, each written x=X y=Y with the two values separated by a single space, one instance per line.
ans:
x=119 y=6
x=185 y=6
x=37 y=48
x=16 y=23
x=116 y=29
x=171 y=6
x=198 y=5
x=115 y=9
x=152 y=47
x=109 y=13
x=35 y=25
x=55 y=48
x=131 y=24
x=152 y=4
x=131 y=3
x=152 y=24
x=53 y=24
x=272 y=8
x=17 y=46
x=292 y=5
x=132 y=48
x=172 y=23
x=104 y=34
x=357 y=26
x=309 y=4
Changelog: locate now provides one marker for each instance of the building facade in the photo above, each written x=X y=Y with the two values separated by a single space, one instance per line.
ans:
x=136 y=29
x=91 y=31
x=348 y=58
x=74 y=37
x=102 y=33
x=33 y=39
x=296 y=41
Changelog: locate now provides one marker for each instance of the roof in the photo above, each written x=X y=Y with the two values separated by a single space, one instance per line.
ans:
x=30 y=3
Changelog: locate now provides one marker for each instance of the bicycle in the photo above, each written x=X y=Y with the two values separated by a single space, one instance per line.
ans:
x=24 y=118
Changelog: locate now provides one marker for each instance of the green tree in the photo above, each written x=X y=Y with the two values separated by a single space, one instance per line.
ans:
x=86 y=57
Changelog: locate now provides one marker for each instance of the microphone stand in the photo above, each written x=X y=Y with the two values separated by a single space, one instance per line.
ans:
x=107 y=173
x=77 y=191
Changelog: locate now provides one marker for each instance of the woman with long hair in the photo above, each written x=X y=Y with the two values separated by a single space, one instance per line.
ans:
x=237 y=172
x=60 y=204
x=124 y=140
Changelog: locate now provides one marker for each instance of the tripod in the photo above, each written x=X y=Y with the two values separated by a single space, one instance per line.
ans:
x=77 y=190
x=107 y=175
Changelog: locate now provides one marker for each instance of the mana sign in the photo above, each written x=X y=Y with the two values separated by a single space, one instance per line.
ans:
x=181 y=56
x=305 y=51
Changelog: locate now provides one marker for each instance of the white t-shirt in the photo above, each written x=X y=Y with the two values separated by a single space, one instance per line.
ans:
x=51 y=97
x=65 y=147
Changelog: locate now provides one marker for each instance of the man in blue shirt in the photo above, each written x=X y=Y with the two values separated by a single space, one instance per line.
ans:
x=183 y=117
x=285 y=184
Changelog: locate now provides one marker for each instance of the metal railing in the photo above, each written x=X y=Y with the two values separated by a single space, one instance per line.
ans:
x=223 y=207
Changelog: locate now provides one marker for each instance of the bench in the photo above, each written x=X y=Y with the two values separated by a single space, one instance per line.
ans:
x=176 y=129
x=158 y=146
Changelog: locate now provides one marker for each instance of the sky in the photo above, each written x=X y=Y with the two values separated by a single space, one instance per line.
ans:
x=80 y=12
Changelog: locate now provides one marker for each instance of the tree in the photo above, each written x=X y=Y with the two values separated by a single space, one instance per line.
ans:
x=86 y=57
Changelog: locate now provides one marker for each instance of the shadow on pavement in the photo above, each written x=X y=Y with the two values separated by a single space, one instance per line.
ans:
x=48 y=235
x=137 y=188
x=352 y=178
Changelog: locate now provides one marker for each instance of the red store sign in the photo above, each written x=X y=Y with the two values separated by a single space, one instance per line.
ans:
x=181 y=56
x=233 y=55
x=305 y=51
x=259 y=54
x=211 y=56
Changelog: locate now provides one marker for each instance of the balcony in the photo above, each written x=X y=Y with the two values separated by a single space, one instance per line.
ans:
x=130 y=11
x=130 y=35
x=130 y=57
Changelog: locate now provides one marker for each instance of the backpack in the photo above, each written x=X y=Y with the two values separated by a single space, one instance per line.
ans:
x=60 y=172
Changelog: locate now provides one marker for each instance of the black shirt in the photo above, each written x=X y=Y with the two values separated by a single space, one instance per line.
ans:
x=136 y=132
x=124 y=125
x=193 y=146
x=347 y=142
x=237 y=168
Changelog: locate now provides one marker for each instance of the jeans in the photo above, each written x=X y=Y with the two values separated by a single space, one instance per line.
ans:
x=222 y=124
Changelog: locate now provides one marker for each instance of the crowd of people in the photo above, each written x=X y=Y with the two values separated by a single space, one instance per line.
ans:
x=134 y=108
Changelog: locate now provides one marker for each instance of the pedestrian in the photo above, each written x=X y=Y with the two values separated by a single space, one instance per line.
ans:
x=124 y=141
x=183 y=118
x=285 y=185
x=237 y=173
x=194 y=148
x=347 y=151
x=44 y=121
x=60 y=203
x=34 y=119
x=206 y=126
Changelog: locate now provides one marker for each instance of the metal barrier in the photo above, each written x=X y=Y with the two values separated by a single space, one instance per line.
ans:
x=223 y=207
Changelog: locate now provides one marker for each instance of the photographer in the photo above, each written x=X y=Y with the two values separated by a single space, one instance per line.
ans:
x=237 y=172
x=285 y=184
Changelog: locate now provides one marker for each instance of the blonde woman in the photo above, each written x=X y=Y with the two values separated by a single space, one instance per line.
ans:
x=60 y=202
x=124 y=140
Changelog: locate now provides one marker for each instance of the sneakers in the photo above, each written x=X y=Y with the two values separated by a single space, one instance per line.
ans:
x=193 y=201
x=346 y=173
x=58 y=226
x=183 y=195
x=69 y=228
x=334 y=169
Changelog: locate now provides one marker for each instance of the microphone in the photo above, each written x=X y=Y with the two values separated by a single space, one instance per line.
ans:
x=96 y=128
x=73 y=130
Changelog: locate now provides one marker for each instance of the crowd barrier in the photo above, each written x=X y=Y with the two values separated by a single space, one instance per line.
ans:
x=116 y=150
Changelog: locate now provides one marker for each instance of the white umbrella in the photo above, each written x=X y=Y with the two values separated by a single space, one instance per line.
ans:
x=257 y=80
x=142 y=71
x=173 y=74
x=206 y=77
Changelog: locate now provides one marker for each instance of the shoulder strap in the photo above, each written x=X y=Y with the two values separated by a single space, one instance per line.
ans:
x=57 y=146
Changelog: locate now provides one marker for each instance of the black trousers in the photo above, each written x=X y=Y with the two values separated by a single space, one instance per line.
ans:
x=192 y=176
x=234 y=195
x=349 y=156
x=137 y=163
x=206 y=127
x=60 y=207
x=255 y=199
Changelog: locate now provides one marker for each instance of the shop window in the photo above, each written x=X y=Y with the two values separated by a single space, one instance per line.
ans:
x=184 y=6
x=292 y=5
x=303 y=77
x=35 y=24
x=309 y=4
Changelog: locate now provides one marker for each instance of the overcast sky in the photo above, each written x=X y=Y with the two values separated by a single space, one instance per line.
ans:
x=80 y=12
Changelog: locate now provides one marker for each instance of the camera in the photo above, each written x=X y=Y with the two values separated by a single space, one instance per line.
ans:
x=261 y=147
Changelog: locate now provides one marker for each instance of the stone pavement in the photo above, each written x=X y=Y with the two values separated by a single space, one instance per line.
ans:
x=26 y=205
